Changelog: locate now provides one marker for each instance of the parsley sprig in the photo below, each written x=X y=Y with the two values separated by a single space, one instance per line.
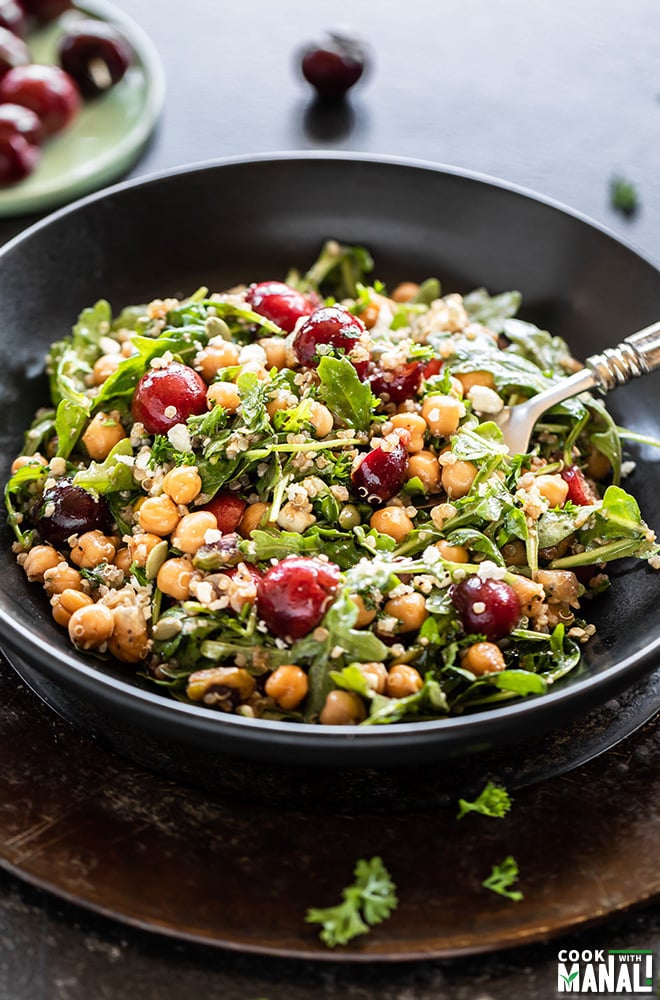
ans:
x=502 y=877
x=368 y=901
x=493 y=801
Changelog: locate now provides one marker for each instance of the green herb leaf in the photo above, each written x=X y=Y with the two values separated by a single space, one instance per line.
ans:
x=493 y=801
x=367 y=902
x=623 y=196
x=349 y=399
x=491 y=310
x=502 y=877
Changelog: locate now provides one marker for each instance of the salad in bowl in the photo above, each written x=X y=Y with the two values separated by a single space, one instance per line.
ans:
x=291 y=499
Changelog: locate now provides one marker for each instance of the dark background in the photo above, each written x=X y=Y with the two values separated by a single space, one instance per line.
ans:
x=555 y=97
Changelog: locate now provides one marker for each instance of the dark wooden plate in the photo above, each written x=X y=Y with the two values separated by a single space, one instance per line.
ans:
x=98 y=831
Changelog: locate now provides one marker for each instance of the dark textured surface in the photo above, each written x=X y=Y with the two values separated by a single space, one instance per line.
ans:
x=554 y=98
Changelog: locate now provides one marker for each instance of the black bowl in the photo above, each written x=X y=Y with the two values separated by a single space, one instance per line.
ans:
x=249 y=219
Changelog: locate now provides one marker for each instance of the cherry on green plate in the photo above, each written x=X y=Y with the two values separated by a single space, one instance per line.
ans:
x=110 y=131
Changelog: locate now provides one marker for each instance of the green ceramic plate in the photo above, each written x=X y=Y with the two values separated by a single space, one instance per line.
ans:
x=108 y=134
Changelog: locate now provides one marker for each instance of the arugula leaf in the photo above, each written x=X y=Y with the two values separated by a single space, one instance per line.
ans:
x=502 y=877
x=351 y=678
x=25 y=484
x=349 y=399
x=616 y=530
x=473 y=443
x=339 y=267
x=493 y=801
x=368 y=901
x=429 y=700
x=547 y=352
x=110 y=475
x=337 y=636
x=491 y=311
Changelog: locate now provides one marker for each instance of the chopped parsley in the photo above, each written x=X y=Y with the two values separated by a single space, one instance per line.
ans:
x=623 y=196
x=368 y=901
x=502 y=877
x=493 y=801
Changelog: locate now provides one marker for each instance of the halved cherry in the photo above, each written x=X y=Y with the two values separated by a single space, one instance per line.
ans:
x=381 y=473
x=167 y=396
x=579 y=490
x=280 y=303
x=333 y=325
x=228 y=508
x=398 y=385
x=292 y=596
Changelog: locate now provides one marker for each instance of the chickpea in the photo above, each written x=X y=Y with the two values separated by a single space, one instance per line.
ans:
x=457 y=479
x=402 y=680
x=92 y=549
x=252 y=518
x=103 y=432
x=91 y=626
x=483 y=658
x=406 y=291
x=62 y=577
x=174 y=578
x=129 y=641
x=598 y=465
x=375 y=675
x=370 y=314
x=21 y=460
x=365 y=615
x=392 y=521
x=442 y=414
x=275 y=348
x=123 y=559
x=224 y=394
x=38 y=560
x=415 y=425
x=191 y=529
x=288 y=686
x=342 y=708
x=66 y=603
x=158 y=515
x=321 y=419
x=141 y=546
x=215 y=356
x=183 y=484
x=256 y=368
x=282 y=401
x=470 y=379
x=106 y=366
x=452 y=553
x=553 y=488
x=425 y=466
x=409 y=609
x=202 y=681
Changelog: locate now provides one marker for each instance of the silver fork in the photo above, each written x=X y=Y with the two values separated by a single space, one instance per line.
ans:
x=638 y=354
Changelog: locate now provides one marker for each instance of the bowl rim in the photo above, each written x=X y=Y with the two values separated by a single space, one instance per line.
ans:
x=91 y=678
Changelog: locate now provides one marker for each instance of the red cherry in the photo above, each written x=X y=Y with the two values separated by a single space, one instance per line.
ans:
x=334 y=64
x=380 y=474
x=332 y=325
x=17 y=120
x=47 y=10
x=18 y=158
x=433 y=367
x=46 y=90
x=280 y=303
x=398 y=385
x=95 y=55
x=228 y=509
x=167 y=396
x=13 y=51
x=67 y=510
x=292 y=596
x=254 y=572
x=490 y=607
x=579 y=490
x=13 y=16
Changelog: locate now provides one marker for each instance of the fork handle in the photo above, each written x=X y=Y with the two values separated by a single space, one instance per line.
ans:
x=637 y=355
